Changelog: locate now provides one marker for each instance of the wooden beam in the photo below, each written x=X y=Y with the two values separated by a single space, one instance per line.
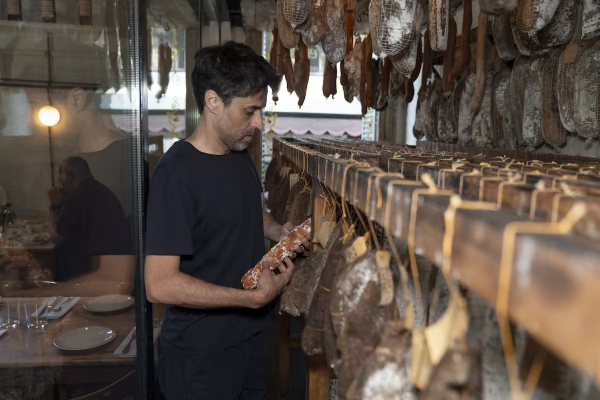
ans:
x=555 y=285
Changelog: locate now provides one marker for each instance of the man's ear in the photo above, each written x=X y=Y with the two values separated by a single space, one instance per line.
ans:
x=78 y=99
x=212 y=102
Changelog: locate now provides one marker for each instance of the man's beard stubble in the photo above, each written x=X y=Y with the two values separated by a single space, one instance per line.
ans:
x=234 y=141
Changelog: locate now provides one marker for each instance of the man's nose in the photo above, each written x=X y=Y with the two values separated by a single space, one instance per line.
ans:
x=257 y=120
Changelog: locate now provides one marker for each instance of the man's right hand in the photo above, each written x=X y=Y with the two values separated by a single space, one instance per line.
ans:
x=271 y=285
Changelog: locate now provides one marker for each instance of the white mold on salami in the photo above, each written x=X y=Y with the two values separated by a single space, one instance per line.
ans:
x=334 y=42
x=439 y=24
x=396 y=25
x=464 y=117
x=374 y=25
x=590 y=24
x=532 y=107
x=503 y=37
x=497 y=7
x=482 y=123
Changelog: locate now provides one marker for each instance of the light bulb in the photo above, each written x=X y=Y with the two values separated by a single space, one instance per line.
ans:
x=49 y=115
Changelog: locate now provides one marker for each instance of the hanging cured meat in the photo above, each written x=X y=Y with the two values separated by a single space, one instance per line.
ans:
x=376 y=84
x=497 y=7
x=334 y=42
x=406 y=61
x=274 y=60
x=333 y=81
x=287 y=36
x=464 y=118
x=427 y=62
x=482 y=40
x=301 y=72
x=313 y=29
x=296 y=11
x=518 y=79
x=327 y=79
x=362 y=91
x=454 y=109
x=590 y=23
x=386 y=69
x=465 y=42
x=439 y=21
x=552 y=129
x=587 y=81
x=442 y=116
x=560 y=28
x=534 y=15
x=434 y=104
x=449 y=57
x=354 y=77
x=532 y=106
x=374 y=25
x=285 y=62
x=499 y=108
x=369 y=80
x=350 y=62
x=165 y=62
x=503 y=37
x=258 y=15
x=508 y=120
x=396 y=25
x=482 y=133
x=567 y=68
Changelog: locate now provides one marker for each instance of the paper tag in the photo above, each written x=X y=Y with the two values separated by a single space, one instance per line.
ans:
x=357 y=250
x=324 y=232
x=350 y=5
x=283 y=172
x=386 y=280
x=570 y=54
x=420 y=364
x=294 y=179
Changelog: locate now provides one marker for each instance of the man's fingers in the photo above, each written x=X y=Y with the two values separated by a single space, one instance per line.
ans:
x=290 y=267
x=282 y=268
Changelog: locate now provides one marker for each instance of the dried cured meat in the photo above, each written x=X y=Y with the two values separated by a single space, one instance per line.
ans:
x=532 y=107
x=534 y=15
x=296 y=298
x=449 y=57
x=407 y=61
x=301 y=72
x=482 y=123
x=439 y=24
x=503 y=37
x=587 y=80
x=334 y=41
x=358 y=320
x=500 y=109
x=287 y=36
x=258 y=15
x=282 y=250
x=296 y=11
x=363 y=78
x=518 y=78
x=369 y=80
x=566 y=89
x=313 y=29
x=497 y=7
x=396 y=25
x=590 y=21
x=464 y=117
x=385 y=374
x=561 y=26
x=552 y=129
x=386 y=70
x=374 y=25
x=480 y=68
x=464 y=57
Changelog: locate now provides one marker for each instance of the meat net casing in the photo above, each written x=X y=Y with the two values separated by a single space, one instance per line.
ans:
x=464 y=117
x=442 y=118
x=508 y=121
x=434 y=104
x=454 y=108
x=296 y=11
x=532 y=105
x=526 y=42
x=482 y=134
x=590 y=25
x=396 y=25
x=499 y=108
x=566 y=90
x=534 y=15
x=334 y=41
x=497 y=7
x=561 y=26
x=288 y=37
x=587 y=80
x=552 y=129
x=258 y=15
x=313 y=29
x=406 y=61
x=439 y=17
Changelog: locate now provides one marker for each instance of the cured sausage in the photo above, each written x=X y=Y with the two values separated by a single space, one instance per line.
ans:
x=334 y=41
x=480 y=66
x=301 y=72
x=449 y=56
x=465 y=42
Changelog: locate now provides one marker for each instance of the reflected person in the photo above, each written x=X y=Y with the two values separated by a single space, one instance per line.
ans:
x=90 y=232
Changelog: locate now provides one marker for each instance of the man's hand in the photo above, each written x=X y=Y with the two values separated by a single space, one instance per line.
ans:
x=55 y=196
x=271 y=285
x=285 y=230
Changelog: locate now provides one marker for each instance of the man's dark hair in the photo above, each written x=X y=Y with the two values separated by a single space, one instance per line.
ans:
x=231 y=70
x=78 y=167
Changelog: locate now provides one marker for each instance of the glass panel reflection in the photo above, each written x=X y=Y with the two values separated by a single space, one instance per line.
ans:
x=69 y=116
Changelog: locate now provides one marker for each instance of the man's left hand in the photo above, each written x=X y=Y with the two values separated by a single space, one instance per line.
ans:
x=285 y=230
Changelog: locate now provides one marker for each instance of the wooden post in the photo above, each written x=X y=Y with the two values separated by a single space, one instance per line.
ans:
x=254 y=40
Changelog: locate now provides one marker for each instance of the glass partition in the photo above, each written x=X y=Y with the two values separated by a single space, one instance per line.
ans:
x=71 y=192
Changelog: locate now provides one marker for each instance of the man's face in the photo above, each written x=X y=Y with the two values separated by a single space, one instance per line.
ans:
x=242 y=120
x=66 y=183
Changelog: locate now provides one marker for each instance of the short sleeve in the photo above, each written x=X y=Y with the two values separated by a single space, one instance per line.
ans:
x=170 y=215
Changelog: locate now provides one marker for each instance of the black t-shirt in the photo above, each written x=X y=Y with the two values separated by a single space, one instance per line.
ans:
x=208 y=210
x=91 y=222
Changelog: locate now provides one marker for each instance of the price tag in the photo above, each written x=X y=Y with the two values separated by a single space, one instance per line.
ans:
x=570 y=53
x=324 y=232
x=357 y=250
x=283 y=172
x=386 y=279
x=293 y=180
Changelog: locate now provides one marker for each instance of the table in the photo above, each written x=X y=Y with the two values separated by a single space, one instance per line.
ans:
x=25 y=353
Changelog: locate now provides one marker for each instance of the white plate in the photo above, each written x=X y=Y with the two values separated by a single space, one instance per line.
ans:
x=84 y=338
x=108 y=303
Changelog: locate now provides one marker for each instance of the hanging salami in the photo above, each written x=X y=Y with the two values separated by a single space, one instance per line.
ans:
x=465 y=42
x=313 y=29
x=396 y=25
x=301 y=72
x=334 y=41
x=287 y=36
x=439 y=20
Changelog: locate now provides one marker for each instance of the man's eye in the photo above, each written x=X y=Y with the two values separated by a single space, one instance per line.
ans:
x=250 y=113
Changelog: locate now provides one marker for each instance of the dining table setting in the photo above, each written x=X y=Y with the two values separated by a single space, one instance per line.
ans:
x=80 y=339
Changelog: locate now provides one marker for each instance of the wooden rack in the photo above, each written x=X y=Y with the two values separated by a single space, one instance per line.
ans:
x=555 y=285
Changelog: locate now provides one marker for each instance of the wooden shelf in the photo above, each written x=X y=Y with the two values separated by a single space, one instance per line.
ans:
x=555 y=286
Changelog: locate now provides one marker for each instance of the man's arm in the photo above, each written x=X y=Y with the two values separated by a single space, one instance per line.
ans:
x=272 y=228
x=166 y=284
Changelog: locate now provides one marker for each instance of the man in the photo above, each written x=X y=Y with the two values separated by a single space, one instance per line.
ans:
x=206 y=229
x=91 y=233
